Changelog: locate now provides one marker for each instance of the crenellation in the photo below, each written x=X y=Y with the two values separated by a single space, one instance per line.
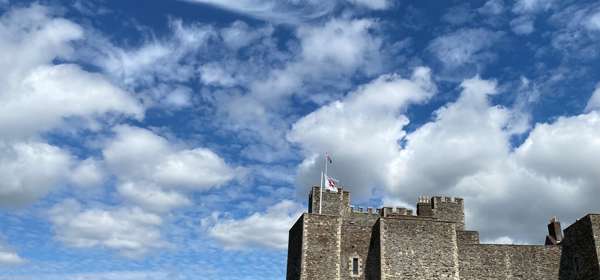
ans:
x=351 y=242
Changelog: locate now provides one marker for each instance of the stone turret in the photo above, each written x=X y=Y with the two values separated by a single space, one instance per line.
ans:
x=333 y=203
x=443 y=208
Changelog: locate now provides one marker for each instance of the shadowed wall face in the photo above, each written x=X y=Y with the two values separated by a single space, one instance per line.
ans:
x=294 y=264
x=580 y=245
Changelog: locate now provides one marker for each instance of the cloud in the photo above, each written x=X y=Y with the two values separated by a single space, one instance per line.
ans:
x=8 y=256
x=29 y=170
x=576 y=34
x=360 y=131
x=152 y=172
x=593 y=21
x=353 y=50
x=139 y=154
x=372 y=4
x=34 y=90
x=290 y=12
x=152 y=197
x=532 y=6
x=464 y=52
x=466 y=152
x=87 y=173
x=130 y=231
x=262 y=230
x=39 y=93
x=40 y=104
x=522 y=25
x=594 y=101
x=492 y=7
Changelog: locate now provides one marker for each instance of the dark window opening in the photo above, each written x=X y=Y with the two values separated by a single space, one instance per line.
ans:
x=355 y=266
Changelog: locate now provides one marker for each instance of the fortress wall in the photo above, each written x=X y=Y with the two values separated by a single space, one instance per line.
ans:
x=581 y=249
x=321 y=245
x=294 y=259
x=467 y=237
x=418 y=249
x=357 y=230
x=526 y=262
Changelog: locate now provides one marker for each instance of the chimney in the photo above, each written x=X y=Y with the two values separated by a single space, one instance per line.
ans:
x=555 y=234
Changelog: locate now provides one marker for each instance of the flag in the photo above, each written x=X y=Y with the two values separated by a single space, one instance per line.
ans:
x=331 y=184
x=328 y=158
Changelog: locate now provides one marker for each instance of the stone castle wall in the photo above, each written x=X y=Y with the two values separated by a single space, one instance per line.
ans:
x=580 y=250
x=321 y=244
x=418 y=249
x=524 y=262
x=357 y=231
x=295 y=250
x=392 y=243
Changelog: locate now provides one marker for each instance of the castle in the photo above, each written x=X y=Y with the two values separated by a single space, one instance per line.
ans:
x=392 y=243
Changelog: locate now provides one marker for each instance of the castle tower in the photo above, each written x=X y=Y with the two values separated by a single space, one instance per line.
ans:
x=450 y=209
x=333 y=203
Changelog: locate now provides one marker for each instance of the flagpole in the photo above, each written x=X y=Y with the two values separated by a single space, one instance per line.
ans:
x=323 y=181
x=321 y=192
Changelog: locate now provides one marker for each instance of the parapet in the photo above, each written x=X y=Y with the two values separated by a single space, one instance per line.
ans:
x=444 y=208
x=446 y=199
x=395 y=211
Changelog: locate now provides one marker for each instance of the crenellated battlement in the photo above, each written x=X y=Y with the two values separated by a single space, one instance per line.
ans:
x=444 y=208
x=440 y=199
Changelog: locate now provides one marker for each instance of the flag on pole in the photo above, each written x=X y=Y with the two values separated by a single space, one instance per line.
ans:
x=328 y=158
x=332 y=184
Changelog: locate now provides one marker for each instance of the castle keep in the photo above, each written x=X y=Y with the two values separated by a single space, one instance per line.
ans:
x=393 y=243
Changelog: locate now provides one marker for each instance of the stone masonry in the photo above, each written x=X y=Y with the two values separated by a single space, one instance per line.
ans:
x=342 y=242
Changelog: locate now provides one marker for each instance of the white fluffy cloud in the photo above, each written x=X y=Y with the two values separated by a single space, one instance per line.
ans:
x=138 y=154
x=38 y=95
x=268 y=229
x=35 y=94
x=29 y=170
x=451 y=147
x=361 y=132
x=152 y=197
x=353 y=50
x=152 y=171
x=87 y=173
x=466 y=152
x=131 y=231
x=8 y=256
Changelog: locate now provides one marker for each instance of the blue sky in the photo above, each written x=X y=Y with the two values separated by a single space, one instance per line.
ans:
x=155 y=139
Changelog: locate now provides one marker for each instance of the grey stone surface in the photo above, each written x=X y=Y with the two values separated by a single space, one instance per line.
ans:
x=391 y=243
